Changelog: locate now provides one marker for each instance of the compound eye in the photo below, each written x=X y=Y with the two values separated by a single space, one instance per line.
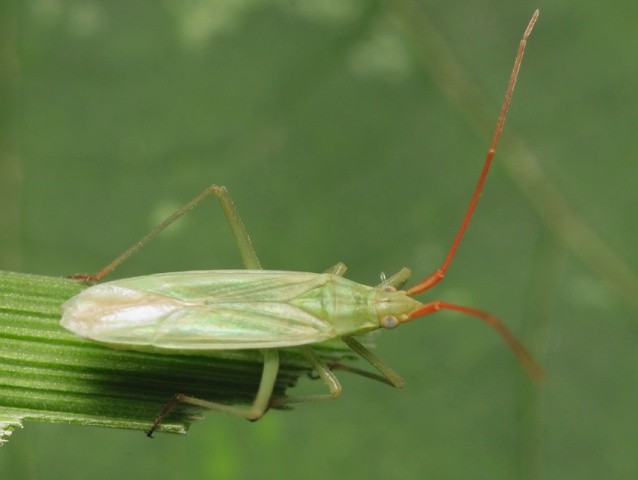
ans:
x=389 y=322
x=389 y=288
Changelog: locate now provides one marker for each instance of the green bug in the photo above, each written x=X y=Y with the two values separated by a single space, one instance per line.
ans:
x=199 y=311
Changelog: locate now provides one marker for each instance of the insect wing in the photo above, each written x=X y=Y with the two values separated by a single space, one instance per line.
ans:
x=226 y=286
x=208 y=310
x=255 y=325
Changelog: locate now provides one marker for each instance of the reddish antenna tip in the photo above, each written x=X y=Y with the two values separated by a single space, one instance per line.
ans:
x=530 y=365
x=438 y=275
x=531 y=23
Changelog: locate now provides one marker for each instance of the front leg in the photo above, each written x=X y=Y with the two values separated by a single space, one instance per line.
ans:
x=393 y=377
x=329 y=378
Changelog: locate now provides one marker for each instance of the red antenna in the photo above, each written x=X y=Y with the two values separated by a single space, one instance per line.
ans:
x=528 y=362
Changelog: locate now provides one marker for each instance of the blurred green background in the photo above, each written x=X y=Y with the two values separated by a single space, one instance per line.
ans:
x=344 y=133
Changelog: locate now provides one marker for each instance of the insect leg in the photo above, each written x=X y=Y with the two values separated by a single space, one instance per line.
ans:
x=245 y=247
x=361 y=372
x=337 y=269
x=397 y=280
x=329 y=378
x=393 y=378
x=252 y=412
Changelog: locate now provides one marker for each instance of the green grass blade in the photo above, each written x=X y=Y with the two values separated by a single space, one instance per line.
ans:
x=49 y=374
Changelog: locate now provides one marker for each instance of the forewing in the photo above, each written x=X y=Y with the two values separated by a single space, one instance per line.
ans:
x=212 y=286
x=227 y=326
x=200 y=310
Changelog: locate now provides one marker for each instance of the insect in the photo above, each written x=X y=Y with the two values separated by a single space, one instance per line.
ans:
x=200 y=311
